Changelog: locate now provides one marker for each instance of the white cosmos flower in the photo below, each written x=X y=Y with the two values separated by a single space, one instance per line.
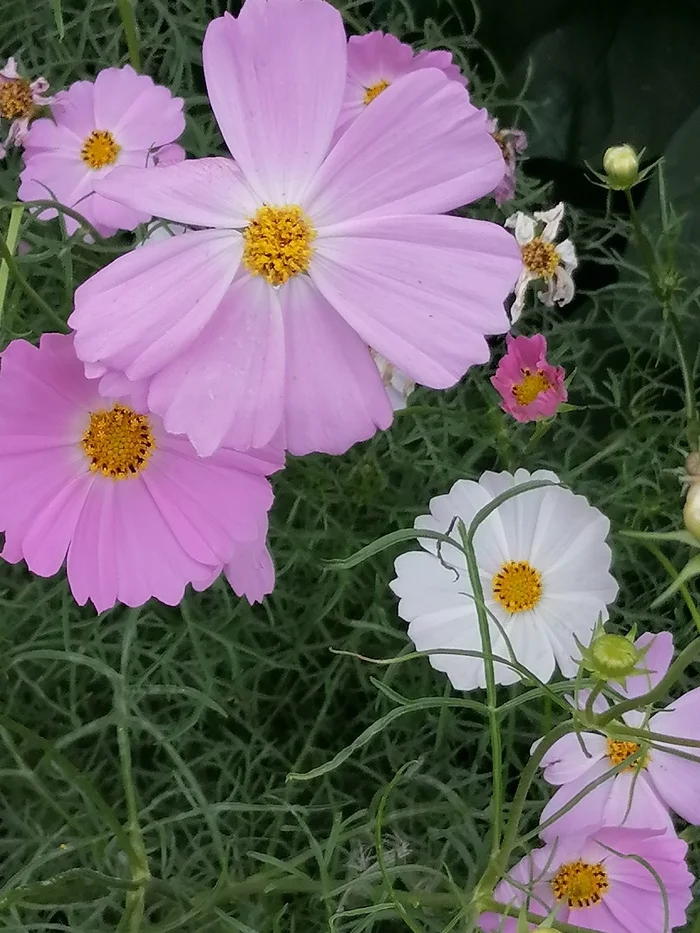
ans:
x=544 y=568
x=543 y=259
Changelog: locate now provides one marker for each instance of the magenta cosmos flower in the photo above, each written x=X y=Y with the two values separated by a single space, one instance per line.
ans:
x=123 y=118
x=377 y=60
x=20 y=101
x=261 y=324
x=667 y=778
x=137 y=512
x=599 y=881
x=530 y=388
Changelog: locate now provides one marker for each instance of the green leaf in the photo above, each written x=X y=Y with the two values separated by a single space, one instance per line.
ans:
x=75 y=886
x=691 y=569
x=58 y=18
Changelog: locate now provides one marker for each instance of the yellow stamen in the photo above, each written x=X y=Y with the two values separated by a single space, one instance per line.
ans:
x=277 y=243
x=517 y=586
x=617 y=751
x=373 y=92
x=530 y=387
x=118 y=442
x=100 y=149
x=581 y=884
x=16 y=99
x=540 y=258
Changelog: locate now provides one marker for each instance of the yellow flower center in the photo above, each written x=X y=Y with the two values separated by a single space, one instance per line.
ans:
x=373 y=92
x=16 y=99
x=540 y=258
x=581 y=884
x=119 y=442
x=277 y=243
x=618 y=751
x=100 y=149
x=517 y=586
x=530 y=386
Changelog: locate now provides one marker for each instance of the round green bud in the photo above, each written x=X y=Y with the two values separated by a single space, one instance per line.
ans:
x=613 y=656
x=621 y=165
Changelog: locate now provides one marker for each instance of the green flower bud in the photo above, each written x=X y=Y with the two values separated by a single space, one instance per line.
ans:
x=614 y=656
x=621 y=165
x=691 y=510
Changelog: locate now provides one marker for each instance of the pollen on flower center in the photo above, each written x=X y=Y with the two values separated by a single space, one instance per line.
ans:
x=517 y=586
x=375 y=90
x=118 y=442
x=100 y=149
x=617 y=751
x=277 y=243
x=541 y=258
x=530 y=386
x=581 y=884
x=16 y=99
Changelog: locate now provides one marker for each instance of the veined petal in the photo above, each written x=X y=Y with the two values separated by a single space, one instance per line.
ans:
x=420 y=148
x=334 y=392
x=139 y=312
x=422 y=291
x=199 y=192
x=276 y=81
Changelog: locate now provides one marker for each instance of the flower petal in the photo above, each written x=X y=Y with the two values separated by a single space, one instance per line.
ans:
x=422 y=291
x=138 y=112
x=334 y=393
x=229 y=384
x=137 y=313
x=275 y=82
x=421 y=147
x=571 y=756
x=199 y=192
x=251 y=573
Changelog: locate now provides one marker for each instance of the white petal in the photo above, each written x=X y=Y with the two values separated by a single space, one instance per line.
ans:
x=524 y=227
x=551 y=220
x=516 y=309
x=567 y=253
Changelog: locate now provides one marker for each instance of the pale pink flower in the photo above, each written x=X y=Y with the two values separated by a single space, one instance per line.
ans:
x=512 y=142
x=20 y=100
x=135 y=511
x=613 y=879
x=260 y=324
x=530 y=387
x=377 y=60
x=666 y=779
x=122 y=118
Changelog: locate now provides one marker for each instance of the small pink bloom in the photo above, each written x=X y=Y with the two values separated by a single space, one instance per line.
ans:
x=122 y=118
x=20 y=100
x=309 y=252
x=530 y=388
x=512 y=142
x=134 y=510
x=665 y=780
x=377 y=60
x=611 y=879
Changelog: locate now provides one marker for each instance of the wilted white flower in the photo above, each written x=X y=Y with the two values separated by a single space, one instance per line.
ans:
x=20 y=100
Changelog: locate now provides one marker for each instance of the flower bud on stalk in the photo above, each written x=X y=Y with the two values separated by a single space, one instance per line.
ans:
x=613 y=657
x=621 y=165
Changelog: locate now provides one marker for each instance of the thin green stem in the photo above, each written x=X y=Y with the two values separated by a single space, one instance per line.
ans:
x=673 y=573
x=7 y=259
x=126 y=13
x=10 y=243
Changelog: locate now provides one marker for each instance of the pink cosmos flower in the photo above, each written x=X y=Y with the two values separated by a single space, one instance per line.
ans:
x=512 y=142
x=122 y=118
x=377 y=60
x=20 y=100
x=530 y=388
x=600 y=881
x=310 y=254
x=668 y=777
x=136 y=511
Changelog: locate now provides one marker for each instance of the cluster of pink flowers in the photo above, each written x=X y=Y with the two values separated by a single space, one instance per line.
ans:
x=611 y=858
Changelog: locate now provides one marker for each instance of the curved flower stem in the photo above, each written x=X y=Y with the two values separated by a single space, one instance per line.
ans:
x=10 y=243
x=647 y=254
x=126 y=13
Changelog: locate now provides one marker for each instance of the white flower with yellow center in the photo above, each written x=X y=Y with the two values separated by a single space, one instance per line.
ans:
x=544 y=568
x=543 y=259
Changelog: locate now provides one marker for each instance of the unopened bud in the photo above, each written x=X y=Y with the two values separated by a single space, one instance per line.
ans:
x=614 y=656
x=691 y=510
x=621 y=165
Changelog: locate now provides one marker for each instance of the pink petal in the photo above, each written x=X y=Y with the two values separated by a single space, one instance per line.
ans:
x=199 y=192
x=588 y=811
x=571 y=756
x=276 y=91
x=251 y=573
x=138 y=112
x=421 y=147
x=600 y=918
x=677 y=782
x=421 y=291
x=46 y=539
x=137 y=313
x=334 y=393
x=74 y=109
x=92 y=561
x=657 y=661
x=634 y=804
x=107 y=214
x=230 y=382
